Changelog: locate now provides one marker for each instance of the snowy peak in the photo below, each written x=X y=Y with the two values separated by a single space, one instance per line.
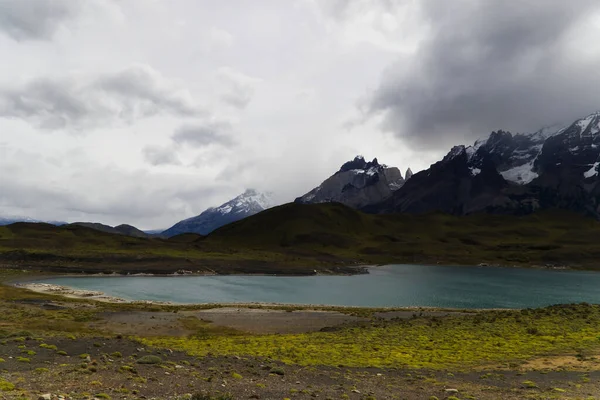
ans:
x=246 y=204
x=249 y=201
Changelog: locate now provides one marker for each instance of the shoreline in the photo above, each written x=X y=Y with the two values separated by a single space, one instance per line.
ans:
x=82 y=294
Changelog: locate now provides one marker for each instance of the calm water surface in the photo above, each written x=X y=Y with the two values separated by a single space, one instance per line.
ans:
x=393 y=285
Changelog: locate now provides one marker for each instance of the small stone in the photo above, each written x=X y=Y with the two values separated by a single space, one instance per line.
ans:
x=46 y=396
x=379 y=374
x=355 y=391
x=452 y=391
x=178 y=366
x=167 y=373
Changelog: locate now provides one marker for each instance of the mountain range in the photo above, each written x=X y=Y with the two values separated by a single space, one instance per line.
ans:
x=510 y=174
x=505 y=173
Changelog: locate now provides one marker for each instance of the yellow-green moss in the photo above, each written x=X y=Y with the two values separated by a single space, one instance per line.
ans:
x=465 y=341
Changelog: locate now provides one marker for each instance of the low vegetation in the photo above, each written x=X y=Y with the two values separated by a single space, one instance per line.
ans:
x=439 y=343
x=297 y=239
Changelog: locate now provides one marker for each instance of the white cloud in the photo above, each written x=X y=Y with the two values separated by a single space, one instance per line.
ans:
x=239 y=88
x=80 y=101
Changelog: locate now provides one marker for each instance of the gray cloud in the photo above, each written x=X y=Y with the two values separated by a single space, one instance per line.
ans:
x=492 y=64
x=204 y=134
x=35 y=19
x=156 y=155
x=240 y=87
x=79 y=102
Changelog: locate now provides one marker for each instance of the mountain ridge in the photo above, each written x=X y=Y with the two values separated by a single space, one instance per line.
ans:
x=512 y=174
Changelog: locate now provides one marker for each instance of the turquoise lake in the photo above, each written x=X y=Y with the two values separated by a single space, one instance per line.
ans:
x=392 y=285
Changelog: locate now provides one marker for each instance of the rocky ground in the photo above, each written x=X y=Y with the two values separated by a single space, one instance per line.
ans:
x=54 y=349
x=119 y=368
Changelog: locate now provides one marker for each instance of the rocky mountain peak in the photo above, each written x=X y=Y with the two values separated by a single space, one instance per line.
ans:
x=359 y=163
x=357 y=183
x=408 y=174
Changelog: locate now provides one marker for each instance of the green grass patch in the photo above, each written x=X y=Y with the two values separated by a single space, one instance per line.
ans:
x=149 y=360
x=460 y=341
x=6 y=386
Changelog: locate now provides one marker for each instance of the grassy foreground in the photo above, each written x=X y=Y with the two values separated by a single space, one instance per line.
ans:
x=437 y=343
x=86 y=350
x=330 y=238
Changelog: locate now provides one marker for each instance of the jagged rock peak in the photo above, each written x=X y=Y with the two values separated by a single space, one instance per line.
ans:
x=359 y=163
x=408 y=174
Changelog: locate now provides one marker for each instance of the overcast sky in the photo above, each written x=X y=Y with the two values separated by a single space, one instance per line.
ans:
x=149 y=111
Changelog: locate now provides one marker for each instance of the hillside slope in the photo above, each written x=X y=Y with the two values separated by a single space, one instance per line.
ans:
x=298 y=238
x=552 y=237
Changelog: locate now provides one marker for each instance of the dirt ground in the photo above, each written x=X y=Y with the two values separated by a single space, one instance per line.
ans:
x=109 y=367
x=104 y=368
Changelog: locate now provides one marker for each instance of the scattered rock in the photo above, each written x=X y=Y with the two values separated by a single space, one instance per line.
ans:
x=46 y=396
x=451 y=391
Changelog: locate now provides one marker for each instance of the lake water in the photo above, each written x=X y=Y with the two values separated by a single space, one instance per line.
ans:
x=393 y=285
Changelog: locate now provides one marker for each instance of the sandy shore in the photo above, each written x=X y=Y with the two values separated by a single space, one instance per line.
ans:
x=49 y=288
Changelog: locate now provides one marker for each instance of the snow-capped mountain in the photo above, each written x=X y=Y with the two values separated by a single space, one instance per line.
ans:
x=357 y=184
x=248 y=203
x=12 y=220
x=555 y=167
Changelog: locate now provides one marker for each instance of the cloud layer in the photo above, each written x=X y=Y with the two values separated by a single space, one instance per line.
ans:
x=492 y=64
x=35 y=19
x=79 y=101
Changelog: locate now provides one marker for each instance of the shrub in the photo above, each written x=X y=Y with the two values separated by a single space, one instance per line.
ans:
x=23 y=359
x=116 y=354
x=235 y=375
x=6 y=386
x=61 y=353
x=48 y=346
x=149 y=360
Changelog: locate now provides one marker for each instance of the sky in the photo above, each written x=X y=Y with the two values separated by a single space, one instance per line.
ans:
x=150 y=111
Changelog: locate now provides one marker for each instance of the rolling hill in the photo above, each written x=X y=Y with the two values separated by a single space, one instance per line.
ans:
x=299 y=238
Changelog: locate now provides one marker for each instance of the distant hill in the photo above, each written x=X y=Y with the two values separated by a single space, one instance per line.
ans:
x=11 y=220
x=122 y=229
x=248 y=203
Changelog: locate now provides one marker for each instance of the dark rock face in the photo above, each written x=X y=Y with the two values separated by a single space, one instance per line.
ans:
x=505 y=173
x=249 y=203
x=357 y=184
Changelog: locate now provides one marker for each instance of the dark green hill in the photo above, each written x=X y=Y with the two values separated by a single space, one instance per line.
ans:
x=297 y=238
x=551 y=237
